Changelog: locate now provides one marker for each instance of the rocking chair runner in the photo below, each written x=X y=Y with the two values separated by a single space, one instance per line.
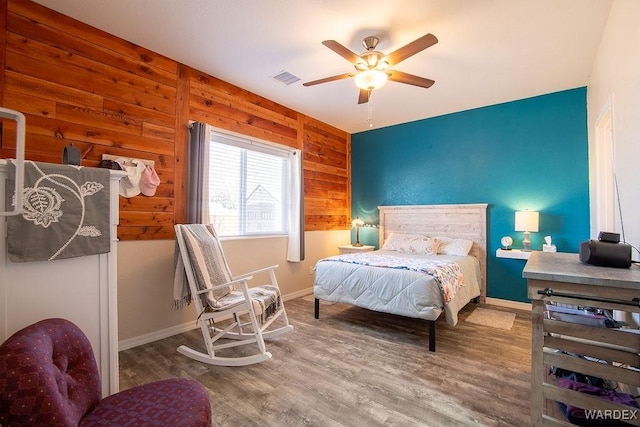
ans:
x=217 y=296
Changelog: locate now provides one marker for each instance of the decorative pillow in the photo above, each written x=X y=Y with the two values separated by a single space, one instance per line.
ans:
x=411 y=243
x=420 y=245
x=459 y=247
x=396 y=240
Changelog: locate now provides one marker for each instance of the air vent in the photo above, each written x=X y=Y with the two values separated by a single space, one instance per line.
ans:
x=286 y=78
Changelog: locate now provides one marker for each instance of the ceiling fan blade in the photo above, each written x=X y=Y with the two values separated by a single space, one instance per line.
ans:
x=363 y=97
x=328 y=79
x=410 y=79
x=410 y=49
x=342 y=51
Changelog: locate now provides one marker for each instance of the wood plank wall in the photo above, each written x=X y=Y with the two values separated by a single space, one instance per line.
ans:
x=327 y=177
x=76 y=84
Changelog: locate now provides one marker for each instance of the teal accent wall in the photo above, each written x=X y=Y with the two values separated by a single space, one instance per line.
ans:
x=527 y=154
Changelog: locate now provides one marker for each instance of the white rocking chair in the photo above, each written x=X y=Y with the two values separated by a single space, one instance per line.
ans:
x=217 y=296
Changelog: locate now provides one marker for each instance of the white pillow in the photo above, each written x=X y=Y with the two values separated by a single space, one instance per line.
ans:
x=459 y=247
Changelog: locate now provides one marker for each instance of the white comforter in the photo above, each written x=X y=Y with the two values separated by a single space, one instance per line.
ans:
x=396 y=290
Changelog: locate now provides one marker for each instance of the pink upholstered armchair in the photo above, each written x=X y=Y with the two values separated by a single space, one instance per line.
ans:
x=49 y=377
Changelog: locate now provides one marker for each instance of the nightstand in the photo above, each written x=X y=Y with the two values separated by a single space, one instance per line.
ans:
x=350 y=249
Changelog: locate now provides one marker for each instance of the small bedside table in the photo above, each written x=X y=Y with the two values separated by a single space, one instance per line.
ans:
x=350 y=249
x=513 y=253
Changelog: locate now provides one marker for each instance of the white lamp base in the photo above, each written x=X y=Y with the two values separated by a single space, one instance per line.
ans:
x=526 y=243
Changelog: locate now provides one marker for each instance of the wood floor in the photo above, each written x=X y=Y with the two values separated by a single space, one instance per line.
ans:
x=355 y=367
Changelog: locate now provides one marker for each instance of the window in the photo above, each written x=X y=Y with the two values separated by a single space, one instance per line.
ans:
x=248 y=186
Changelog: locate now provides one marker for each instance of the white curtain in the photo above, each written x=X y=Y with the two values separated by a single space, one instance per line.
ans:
x=295 y=248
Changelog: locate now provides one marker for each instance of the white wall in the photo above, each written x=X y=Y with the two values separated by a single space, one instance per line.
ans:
x=616 y=77
x=145 y=279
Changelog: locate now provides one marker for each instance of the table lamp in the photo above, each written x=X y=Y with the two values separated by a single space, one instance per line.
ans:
x=527 y=221
x=357 y=223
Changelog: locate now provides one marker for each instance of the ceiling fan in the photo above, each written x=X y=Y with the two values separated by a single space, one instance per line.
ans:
x=373 y=68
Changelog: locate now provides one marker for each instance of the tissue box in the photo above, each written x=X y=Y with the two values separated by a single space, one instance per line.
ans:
x=548 y=248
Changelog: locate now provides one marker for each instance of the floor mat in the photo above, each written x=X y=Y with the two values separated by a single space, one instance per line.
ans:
x=492 y=318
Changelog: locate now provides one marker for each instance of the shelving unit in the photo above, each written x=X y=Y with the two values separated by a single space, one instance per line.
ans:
x=562 y=278
x=513 y=253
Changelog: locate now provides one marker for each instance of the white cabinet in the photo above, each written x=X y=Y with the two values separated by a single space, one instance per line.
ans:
x=82 y=290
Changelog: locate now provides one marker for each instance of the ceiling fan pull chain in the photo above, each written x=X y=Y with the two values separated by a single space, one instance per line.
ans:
x=370 y=110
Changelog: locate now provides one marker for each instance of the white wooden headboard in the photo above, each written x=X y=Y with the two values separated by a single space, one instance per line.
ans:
x=463 y=221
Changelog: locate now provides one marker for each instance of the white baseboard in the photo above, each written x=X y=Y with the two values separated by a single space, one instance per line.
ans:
x=155 y=335
x=185 y=327
x=509 y=304
x=298 y=294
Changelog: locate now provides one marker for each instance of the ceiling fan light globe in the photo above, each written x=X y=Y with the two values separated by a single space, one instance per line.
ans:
x=371 y=79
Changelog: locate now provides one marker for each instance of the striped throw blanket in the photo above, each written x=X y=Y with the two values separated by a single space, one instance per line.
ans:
x=210 y=269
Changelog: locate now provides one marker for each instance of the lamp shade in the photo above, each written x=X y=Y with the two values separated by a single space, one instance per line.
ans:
x=371 y=79
x=527 y=221
x=357 y=222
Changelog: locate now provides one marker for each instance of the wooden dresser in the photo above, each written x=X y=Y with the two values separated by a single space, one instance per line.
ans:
x=562 y=278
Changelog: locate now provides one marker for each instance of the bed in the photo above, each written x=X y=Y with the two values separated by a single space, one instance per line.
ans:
x=410 y=275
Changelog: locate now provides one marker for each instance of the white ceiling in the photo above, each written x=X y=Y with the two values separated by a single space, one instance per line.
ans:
x=489 y=51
